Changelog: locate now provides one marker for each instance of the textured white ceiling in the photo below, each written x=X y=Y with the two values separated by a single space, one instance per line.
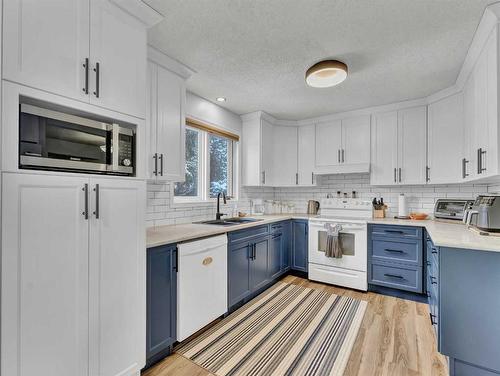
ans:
x=255 y=52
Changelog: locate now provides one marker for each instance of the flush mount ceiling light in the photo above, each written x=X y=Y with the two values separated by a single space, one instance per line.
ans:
x=220 y=99
x=326 y=73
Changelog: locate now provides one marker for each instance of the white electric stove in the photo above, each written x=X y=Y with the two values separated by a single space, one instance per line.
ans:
x=350 y=270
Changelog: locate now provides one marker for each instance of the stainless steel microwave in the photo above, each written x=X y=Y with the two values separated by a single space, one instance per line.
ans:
x=52 y=140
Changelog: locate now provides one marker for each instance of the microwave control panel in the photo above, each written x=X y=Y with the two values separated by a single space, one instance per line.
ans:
x=125 y=150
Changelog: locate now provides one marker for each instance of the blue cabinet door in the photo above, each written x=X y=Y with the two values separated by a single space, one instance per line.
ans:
x=161 y=301
x=287 y=246
x=276 y=255
x=260 y=263
x=300 y=245
x=239 y=271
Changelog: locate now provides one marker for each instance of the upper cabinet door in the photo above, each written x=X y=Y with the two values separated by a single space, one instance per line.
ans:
x=328 y=144
x=44 y=276
x=152 y=121
x=384 y=149
x=306 y=154
x=171 y=126
x=468 y=155
x=118 y=55
x=356 y=140
x=412 y=146
x=445 y=132
x=266 y=153
x=45 y=44
x=285 y=156
x=117 y=276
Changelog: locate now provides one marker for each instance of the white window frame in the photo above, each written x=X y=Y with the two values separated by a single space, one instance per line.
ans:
x=203 y=196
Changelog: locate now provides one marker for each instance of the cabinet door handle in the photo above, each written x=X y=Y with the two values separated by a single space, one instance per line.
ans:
x=263 y=177
x=86 y=205
x=161 y=164
x=427 y=174
x=395 y=180
x=343 y=154
x=480 y=153
x=464 y=168
x=393 y=276
x=312 y=177
x=96 y=190
x=155 y=157
x=393 y=250
x=432 y=319
x=296 y=178
x=97 y=79
x=175 y=260
x=400 y=174
x=86 y=66
x=338 y=157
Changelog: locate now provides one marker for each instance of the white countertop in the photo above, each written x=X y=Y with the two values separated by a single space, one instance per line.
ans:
x=169 y=234
x=443 y=233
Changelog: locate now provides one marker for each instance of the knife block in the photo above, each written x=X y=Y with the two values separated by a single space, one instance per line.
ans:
x=378 y=213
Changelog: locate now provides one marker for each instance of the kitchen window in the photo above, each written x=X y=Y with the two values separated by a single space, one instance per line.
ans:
x=210 y=164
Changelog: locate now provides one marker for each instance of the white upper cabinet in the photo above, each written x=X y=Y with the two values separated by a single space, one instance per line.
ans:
x=306 y=155
x=399 y=148
x=328 y=144
x=445 y=140
x=384 y=156
x=89 y=50
x=285 y=156
x=356 y=140
x=267 y=153
x=118 y=59
x=166 y=124
x=468 y=156
x=45 y=44
x=257 y=150
x=343 y=146
x=412 y=145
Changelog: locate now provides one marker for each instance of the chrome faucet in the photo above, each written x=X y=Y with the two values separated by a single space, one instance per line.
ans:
x=218 y=215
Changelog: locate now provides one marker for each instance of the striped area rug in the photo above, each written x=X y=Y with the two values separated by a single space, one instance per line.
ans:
x=287 y=330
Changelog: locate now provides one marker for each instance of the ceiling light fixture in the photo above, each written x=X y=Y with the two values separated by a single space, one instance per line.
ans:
x=326 y=73
x=220 y=99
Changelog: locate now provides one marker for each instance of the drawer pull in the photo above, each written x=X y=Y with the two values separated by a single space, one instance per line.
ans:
x=395 y=231
x=428 y=294
x=433 y=280
x=207 y=261
x=434 y=251
x=428 y=263
x=394 y=276
x=394 y=250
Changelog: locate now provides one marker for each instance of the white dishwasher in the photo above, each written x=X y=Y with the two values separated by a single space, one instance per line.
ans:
x=201 y=284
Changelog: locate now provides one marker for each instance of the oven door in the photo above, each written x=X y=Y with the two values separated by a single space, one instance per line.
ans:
x=353 y=241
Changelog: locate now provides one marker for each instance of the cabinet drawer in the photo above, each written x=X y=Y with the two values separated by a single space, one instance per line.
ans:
x=397 y=231
x=398 y=277
x=408 y=252
x=248 y=233
x=277 y=227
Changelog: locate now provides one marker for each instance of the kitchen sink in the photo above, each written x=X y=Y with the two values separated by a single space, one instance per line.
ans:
x=229 y=221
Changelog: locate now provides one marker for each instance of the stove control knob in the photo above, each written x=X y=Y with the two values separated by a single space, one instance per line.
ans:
x=126 y=162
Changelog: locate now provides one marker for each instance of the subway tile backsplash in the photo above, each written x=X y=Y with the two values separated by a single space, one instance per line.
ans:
x=160 y=210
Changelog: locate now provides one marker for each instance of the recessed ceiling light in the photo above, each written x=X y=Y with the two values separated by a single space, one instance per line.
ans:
x=326 y=73
x=220 y=99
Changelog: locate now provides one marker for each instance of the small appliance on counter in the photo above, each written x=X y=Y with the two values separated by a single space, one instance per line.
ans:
x=454 y=209
x=312 y=207
x=484 y=214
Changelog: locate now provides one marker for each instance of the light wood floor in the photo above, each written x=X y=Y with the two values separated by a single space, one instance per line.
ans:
x=395 y=338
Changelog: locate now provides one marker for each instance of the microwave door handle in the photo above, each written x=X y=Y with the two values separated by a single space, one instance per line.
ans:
x=115 y=140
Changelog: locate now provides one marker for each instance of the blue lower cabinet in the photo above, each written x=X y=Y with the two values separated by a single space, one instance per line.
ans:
x=259 y=271
x=396 y=257
x=276 y=253
x=287 y=246
x=239 y=258
x=161 y=302
x=299 y=245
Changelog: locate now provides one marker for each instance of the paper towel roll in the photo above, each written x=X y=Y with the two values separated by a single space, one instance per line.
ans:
x=402 y=207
